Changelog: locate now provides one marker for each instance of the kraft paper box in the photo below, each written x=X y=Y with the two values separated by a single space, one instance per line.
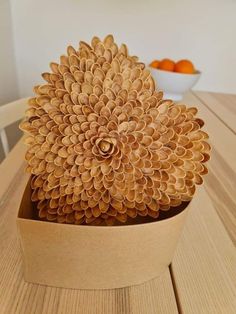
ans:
x=94 y=257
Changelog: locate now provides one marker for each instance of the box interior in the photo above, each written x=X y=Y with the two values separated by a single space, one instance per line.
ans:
x=27 y=209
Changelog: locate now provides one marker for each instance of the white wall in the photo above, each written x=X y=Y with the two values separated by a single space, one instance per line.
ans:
x=203 y=31
x=8 y=77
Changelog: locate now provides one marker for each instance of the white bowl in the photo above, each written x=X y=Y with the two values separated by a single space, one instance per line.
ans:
x=174 y=84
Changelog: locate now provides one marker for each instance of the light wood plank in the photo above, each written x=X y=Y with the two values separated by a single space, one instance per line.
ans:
x=222 y=105
x=10 y=166
x=204 y=267
x=17 y=296
x=12 y=112
x=220 y=183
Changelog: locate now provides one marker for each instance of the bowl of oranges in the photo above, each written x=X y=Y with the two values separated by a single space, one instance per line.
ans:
x=174 y=78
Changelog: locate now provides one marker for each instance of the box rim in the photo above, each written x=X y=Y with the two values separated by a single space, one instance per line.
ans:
x=105 y=227
x=51 y=223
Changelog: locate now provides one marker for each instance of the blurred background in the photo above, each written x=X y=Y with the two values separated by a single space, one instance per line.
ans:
x=33 y=33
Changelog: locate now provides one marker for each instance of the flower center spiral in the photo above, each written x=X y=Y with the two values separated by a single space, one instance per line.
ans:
x=106 y=146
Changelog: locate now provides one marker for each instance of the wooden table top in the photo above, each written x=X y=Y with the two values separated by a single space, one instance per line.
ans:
x=202 y=277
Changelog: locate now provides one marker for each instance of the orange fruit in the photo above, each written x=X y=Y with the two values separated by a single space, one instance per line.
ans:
x=166 y=65
x=154 y=64
x=184 y=66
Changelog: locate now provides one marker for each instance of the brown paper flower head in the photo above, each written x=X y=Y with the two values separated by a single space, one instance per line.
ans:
x=104 y=145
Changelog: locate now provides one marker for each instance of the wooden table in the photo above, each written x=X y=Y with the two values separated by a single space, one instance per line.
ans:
x=202 y=277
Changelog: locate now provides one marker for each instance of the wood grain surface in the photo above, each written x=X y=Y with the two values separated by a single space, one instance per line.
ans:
x=220 y=183
x=221 y=105
x=202 y=277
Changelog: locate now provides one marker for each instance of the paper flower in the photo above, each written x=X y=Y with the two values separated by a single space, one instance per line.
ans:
x=104 y=145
